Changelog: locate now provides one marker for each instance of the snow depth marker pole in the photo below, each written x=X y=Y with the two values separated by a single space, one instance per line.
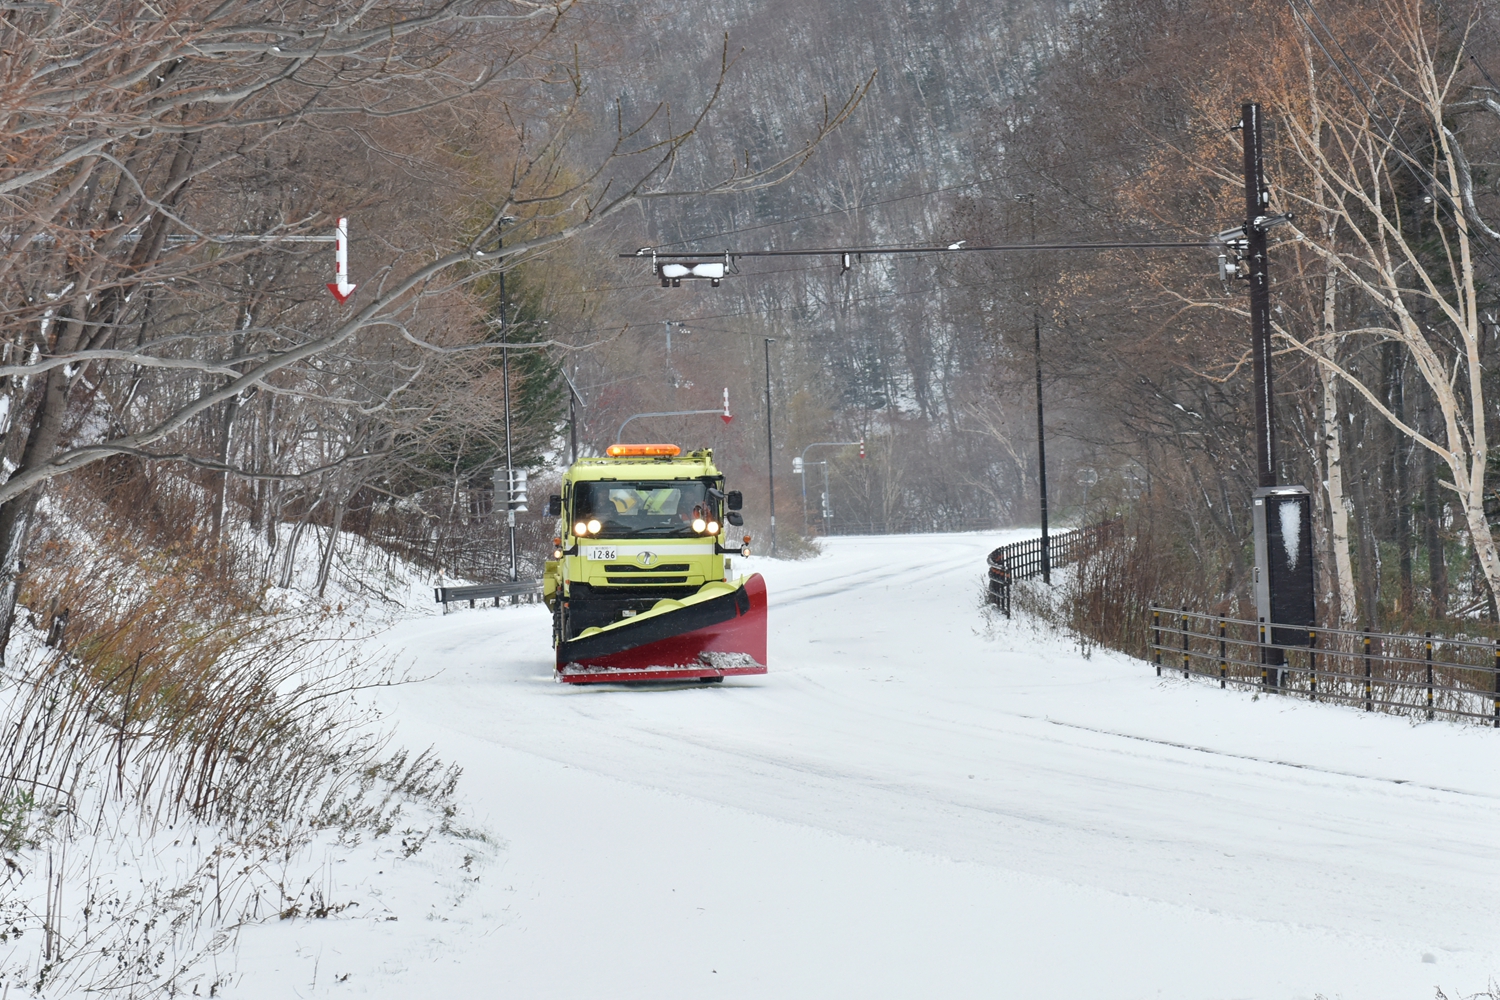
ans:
x=340 y=286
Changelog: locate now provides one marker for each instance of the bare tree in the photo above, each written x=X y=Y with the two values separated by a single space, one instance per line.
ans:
x=122 y=217
x=1390 y=185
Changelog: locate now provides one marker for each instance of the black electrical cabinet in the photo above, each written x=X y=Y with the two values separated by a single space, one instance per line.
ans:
x=1285 y=590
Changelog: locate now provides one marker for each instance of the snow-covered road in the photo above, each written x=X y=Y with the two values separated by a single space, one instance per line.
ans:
x=916 y=798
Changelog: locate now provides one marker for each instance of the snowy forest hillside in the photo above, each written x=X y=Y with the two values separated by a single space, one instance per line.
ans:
x=1098 y=123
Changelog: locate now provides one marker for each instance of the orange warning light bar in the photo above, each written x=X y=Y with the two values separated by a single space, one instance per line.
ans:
x=621 y=450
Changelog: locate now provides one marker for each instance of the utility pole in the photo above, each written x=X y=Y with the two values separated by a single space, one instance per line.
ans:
x=1281 y=516
x=1041 y=425
x=1256 y=203
x=770 y=450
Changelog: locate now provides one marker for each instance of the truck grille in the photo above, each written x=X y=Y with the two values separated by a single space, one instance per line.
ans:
x=663 y=568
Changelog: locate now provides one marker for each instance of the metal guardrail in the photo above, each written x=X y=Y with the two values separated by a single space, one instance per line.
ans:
x=529 y=589
x=1411 y=675
x=1023 y=560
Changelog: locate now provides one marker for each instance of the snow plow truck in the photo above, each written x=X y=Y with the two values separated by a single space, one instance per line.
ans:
x=639 y=581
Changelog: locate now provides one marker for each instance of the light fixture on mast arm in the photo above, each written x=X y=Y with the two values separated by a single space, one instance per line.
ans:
x=1234 y=244
x=671 y=268
x=672 y=272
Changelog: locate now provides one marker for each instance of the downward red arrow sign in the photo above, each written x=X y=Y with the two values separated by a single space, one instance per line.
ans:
x=340 y=286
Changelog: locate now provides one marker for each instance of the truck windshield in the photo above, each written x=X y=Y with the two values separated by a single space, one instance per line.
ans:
x=643 y=510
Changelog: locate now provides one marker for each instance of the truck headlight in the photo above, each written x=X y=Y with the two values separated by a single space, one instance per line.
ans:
x=580 y=528
x=713 y=527
x=699 y=524
x=594 y=526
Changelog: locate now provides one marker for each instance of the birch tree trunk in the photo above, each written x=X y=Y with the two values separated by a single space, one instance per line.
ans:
x=1338 y=510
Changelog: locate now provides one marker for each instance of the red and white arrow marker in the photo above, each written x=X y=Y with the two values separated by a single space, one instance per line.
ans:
x=725 y=414
x=340 y=286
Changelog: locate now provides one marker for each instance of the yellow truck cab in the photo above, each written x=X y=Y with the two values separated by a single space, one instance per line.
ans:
x=639 y=525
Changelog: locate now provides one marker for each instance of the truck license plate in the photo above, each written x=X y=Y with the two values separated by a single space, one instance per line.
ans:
x=598 y=553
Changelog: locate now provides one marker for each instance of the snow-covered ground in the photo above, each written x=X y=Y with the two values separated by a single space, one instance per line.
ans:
x=917 y=800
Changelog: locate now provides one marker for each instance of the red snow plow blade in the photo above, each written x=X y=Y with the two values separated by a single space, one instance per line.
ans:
x=718 y=632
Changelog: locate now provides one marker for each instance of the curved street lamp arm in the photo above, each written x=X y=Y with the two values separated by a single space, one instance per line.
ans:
x=672 y=413
x=827 y=444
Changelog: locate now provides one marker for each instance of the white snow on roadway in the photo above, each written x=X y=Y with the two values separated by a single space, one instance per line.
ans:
x=917 y=800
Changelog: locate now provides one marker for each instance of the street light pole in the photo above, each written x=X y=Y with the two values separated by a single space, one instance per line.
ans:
x=1041 y=449
x=770 y=450
x=801 y=471
x=1041 y=425
x=799 y=465
x=510 y=468
x=827 y=500
x=574 y=402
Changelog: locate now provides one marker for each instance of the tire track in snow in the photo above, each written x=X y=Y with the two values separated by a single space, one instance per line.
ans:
x=1406 y=782
x=870 y=578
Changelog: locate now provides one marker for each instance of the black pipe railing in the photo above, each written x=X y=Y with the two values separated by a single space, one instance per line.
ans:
x=1422 y=676
x=1023 y=560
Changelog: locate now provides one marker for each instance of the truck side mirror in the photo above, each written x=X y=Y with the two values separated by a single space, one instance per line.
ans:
x=554 y=505
x=734 y=500
x=735 y=518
